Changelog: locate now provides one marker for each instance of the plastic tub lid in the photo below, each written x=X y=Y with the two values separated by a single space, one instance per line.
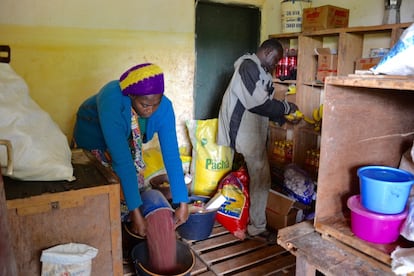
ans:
x=354 y=204
x=386 y=174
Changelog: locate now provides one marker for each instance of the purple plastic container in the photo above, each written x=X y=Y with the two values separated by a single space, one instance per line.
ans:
x=374 y=227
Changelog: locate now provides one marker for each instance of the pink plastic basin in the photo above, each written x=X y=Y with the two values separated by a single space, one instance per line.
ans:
x=374 y=227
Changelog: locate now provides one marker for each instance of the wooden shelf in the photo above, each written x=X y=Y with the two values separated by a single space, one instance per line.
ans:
x=284 y=81
x=350 y=44
x=339 y=228
x=394 y=83
x=337 y=31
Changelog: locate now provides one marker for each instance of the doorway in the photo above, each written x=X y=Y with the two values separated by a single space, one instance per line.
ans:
x=223 y=34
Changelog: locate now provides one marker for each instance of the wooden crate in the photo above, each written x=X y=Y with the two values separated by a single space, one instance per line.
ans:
x=45 y=214
x=368 y=120
x=7 y=259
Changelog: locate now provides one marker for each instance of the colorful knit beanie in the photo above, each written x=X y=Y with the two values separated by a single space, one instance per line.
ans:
x=143 y=79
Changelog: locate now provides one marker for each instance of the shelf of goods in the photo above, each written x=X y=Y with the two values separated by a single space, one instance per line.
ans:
x=351 y=44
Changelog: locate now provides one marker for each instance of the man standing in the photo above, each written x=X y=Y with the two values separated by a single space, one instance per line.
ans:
x=245 y=111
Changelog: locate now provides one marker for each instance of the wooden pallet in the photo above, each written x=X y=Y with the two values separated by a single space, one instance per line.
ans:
x=223 y=254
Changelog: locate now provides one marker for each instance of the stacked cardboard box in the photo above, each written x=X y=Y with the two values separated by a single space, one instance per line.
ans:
x=327 y=63
x=282 y=211
x=324 y=17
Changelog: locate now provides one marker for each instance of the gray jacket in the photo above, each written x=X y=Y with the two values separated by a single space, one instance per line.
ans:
x=248 y=105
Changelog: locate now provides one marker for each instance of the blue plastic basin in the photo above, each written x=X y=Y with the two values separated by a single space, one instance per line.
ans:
x=199 y=225
x=384 y=190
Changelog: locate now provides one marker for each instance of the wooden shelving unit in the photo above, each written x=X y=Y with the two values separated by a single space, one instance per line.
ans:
x=369 y=120
x=351 y=44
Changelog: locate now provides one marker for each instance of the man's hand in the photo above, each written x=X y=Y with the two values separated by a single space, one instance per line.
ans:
x=293 y=107
x=289 y=107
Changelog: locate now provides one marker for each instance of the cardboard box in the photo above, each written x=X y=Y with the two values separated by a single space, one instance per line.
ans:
x=327 y=63
x=366 y=63
x=282 y=211
x=324 y=17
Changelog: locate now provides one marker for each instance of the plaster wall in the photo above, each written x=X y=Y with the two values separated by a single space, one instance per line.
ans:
x=67 y=50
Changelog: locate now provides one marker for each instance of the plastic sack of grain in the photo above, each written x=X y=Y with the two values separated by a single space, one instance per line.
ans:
x=399 y=60
x=210 y=162
x=154 y=164
x=234 y=213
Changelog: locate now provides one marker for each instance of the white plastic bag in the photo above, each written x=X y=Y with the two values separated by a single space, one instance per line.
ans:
x=407 y=228
x=68 y=259
x=399 y=60
x=40 y=150
x=402 y=260
x=298 y=184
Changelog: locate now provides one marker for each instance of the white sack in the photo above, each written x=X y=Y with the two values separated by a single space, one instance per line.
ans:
x=40 y=150
x=402 y=260
x=400 y=59
x=68 y=259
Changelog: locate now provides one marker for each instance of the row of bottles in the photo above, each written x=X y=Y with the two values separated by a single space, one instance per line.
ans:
x=312 y=162
x=283 y=152
x=287 y=67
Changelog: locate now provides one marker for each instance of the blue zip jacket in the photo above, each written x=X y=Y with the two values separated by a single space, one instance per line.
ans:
x=104 y=122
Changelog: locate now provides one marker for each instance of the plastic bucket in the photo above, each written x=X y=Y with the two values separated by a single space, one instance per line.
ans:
x=384 y=190
x=291 y=15
x=185 y=260
x=374 y=227
x=198 y=226
x=129 y=240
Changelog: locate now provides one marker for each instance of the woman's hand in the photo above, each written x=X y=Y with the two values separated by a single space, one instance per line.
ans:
x=138 y=223
x=181 y=214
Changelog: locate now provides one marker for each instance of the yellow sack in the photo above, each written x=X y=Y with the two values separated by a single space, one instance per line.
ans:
x=210 y=162
x=154 y=164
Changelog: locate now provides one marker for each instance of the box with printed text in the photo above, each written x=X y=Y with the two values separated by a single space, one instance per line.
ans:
x=324 y=17
x=327 y=63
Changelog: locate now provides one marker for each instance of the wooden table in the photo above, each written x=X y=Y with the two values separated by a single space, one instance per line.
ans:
x=315 y=251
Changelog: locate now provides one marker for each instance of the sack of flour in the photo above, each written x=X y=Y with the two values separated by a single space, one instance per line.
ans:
x=68 y=259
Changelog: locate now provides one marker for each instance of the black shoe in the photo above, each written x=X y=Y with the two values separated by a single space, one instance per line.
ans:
x=271 y=238
x=268 y=236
